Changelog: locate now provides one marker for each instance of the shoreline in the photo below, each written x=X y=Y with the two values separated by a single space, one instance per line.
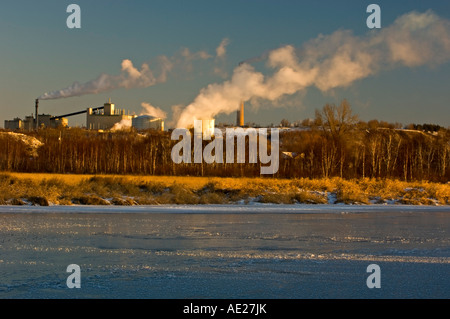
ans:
x=29 y=189
x=226 y=209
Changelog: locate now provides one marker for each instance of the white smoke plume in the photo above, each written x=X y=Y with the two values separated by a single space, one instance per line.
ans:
x=151 y=110
x=221 y=50
x=124 y=124
x=130 y=76
x=220 y=60
x=327 y=62
x=147 y=109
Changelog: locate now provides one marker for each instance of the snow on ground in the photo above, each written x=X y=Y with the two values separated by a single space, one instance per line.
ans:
x=30 y=142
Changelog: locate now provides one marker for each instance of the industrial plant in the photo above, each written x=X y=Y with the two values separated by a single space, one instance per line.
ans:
x=38 y=121
x=104 y=118
x=98 y=118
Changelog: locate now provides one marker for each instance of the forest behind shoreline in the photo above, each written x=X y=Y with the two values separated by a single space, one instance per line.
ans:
x=335 y=144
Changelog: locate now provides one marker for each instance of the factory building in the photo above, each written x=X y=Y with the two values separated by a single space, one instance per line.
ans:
x=37 y=121
x=14 y=124
x=104 y=118
x=145 y=122
x=46 y=120
x=29 y=123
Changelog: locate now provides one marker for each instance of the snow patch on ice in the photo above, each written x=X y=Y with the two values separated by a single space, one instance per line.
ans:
x=332 y=197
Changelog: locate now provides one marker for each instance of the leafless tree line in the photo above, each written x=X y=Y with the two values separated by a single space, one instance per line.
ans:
x=336 y=143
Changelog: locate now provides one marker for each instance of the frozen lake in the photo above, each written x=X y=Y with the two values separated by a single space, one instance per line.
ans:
x=248 y=252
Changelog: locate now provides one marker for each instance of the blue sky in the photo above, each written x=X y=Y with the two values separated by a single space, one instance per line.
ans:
x=40 y=54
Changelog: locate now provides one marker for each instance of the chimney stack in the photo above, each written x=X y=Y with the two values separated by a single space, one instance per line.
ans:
x=37 y=113
x=241 y=114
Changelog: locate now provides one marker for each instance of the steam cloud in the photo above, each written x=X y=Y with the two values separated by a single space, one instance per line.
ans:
x=124 y=124
x=221 y=50
x=147 y=109
x=151 y=110
x=130 y=76
x=220 y=60
x=327 y=62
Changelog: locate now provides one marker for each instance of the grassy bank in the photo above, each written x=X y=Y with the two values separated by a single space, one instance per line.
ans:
x=54 y=189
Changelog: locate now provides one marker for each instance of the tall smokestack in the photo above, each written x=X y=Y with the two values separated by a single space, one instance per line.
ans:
x=241 y=115
x=240 y=112
x=37 y=113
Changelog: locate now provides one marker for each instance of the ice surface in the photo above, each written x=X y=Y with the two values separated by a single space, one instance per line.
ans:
x=220 y=251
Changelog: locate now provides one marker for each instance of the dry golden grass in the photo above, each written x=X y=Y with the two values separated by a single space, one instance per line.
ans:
x=59 y=189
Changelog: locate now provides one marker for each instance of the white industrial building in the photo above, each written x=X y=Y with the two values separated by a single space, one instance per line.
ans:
x=145 y=122
x=106 y=117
